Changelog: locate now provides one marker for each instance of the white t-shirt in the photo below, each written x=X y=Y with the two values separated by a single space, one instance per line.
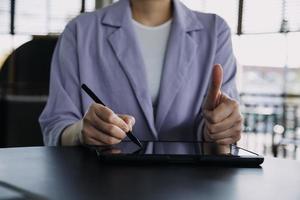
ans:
x=153 y=43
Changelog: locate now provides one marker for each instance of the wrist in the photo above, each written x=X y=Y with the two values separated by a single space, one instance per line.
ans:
x=205 y=135
x=72 y=135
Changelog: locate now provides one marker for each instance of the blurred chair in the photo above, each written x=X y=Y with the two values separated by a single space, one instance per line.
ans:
x=24 y=85
x=286 y=138
x=259 y=120
x=273 y=120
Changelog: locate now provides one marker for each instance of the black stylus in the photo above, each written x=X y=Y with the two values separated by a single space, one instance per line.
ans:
x=97 y=100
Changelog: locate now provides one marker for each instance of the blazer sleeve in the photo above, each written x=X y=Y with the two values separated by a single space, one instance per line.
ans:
x=64 y=101
x=225 y=57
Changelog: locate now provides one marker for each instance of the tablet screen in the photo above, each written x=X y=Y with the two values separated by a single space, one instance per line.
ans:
x=174 y=148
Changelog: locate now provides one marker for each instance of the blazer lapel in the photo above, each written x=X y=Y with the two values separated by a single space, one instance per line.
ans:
x=126 y=49
x=180 y=52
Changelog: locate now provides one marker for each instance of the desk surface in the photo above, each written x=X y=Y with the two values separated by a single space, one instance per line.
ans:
x=75 y=173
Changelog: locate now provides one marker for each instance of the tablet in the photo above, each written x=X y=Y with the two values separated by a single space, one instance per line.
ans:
x=178 y=152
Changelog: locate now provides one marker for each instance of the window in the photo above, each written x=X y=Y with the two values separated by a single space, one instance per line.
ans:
x=270 y=16
x=262 y=16
x=268 y=48
x=51 y=17
x=292 y=14
x=35 y=17
x=4 y=16
x=228 y=10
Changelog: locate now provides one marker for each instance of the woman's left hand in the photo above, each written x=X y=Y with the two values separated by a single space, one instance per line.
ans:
x=222 y=116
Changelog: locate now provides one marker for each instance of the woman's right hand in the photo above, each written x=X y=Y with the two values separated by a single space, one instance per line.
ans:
x=101 y=126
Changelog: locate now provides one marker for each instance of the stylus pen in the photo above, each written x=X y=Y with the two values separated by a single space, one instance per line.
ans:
x=97 y=100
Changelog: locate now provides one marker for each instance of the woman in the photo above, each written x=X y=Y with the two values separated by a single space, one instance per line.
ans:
x=151 y=62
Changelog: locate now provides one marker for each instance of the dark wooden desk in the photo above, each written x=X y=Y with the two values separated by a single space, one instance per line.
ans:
x=75 y=173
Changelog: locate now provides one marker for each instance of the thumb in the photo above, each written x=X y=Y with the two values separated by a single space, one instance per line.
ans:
x=129 y=120
x=214 y=92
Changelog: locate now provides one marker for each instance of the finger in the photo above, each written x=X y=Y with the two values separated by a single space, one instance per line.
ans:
x=229 y=133
x=207 y=135
x=91 y=141
x=231 y=140
x=223 y=111
x=92 y=132
x=86 y=136
x=229 y=122
x=225 y=141
x=129 y=120
x=109 y=116
x=214 y=91
x=107 y=128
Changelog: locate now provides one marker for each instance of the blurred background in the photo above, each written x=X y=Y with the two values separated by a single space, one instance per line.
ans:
x=266 y=41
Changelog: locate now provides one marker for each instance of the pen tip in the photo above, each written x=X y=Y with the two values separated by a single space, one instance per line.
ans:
x=140 y=145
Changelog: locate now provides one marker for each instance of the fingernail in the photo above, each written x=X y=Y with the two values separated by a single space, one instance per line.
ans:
x=132 y=121
x=131 y=125
x=115 y=116
x=127 y=129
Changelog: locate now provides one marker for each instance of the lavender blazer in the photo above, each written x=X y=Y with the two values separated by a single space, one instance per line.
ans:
x=100 y=49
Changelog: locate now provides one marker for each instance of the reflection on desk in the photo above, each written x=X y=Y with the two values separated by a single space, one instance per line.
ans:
x=76 y=173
